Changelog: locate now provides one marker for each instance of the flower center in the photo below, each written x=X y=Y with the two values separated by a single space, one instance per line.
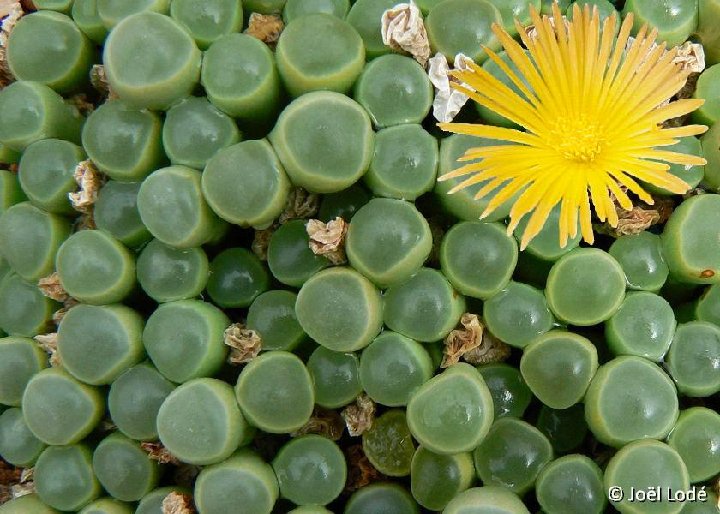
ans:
x=578 y=140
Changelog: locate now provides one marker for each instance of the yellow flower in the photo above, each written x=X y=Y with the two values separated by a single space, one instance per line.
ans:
x=592 y=116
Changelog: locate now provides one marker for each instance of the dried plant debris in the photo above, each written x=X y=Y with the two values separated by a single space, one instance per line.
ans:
x=9 y=476
x=178 y=503
x=82 y=103
x=261 y=241
x=403 y=29
x=360 y=416
x=8 y=7
x=59 y=314
x=10 y=12
x=26 y=485
x=361 y=472
x=15 y=482
x=324 y=422
x=265 y=27
x=156 y=451
x=473 y=343
x=328 y=239
x=85 y=221
x=245 y=344
x=448 y=101
x=89 y=181
x=51 y=287
x=640 y=218
x=690 y=56
x=99 y=81
x=300 y=204
x=491 y=349
x=696 y=191
x=48 y=342
x=460 y=341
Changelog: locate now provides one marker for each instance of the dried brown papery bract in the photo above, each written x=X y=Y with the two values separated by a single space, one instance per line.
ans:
x=89 y=180
x=473 y=344
x=491 y=349
x=460 y=341
x=360 y=416
x=26 y=484
x=59 y=314
x=10 y=12
x=324 y=422
x=328 y=239
x=640 y=218
x=99 y=81
x=403 y=29
x=7 y=7
x=81 y=102
x=48 y=342
x=21 y=489
x=261 y=242
x=178 y=503
x=245 y=344
x=300 y=204
x=86 y=221
x=265 y=27
x=9 y=476
x=448 y=101
x=51 y=287
x=156 y=451
x=690 y=56
x=15 y=482
x=361 y=472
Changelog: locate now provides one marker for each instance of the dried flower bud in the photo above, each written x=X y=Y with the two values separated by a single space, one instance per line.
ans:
x=403 y=29
x=156 y=451
x=244 y=344
x=48 y=342
x=89 y=180
x=265 y=27
x=359 y=417
x=99 y=81
x=51 y=287
x=328 y=239
x=491 y=349
x=300 y=204
x=178 y=503
x=324 y=422
x=10 y=11
x=460 y=341
x=448 y=101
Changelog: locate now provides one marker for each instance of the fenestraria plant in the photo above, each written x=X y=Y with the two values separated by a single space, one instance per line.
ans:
x=592 y=111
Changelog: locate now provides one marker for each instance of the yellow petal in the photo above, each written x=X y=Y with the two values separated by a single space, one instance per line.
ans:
x=592 y=111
